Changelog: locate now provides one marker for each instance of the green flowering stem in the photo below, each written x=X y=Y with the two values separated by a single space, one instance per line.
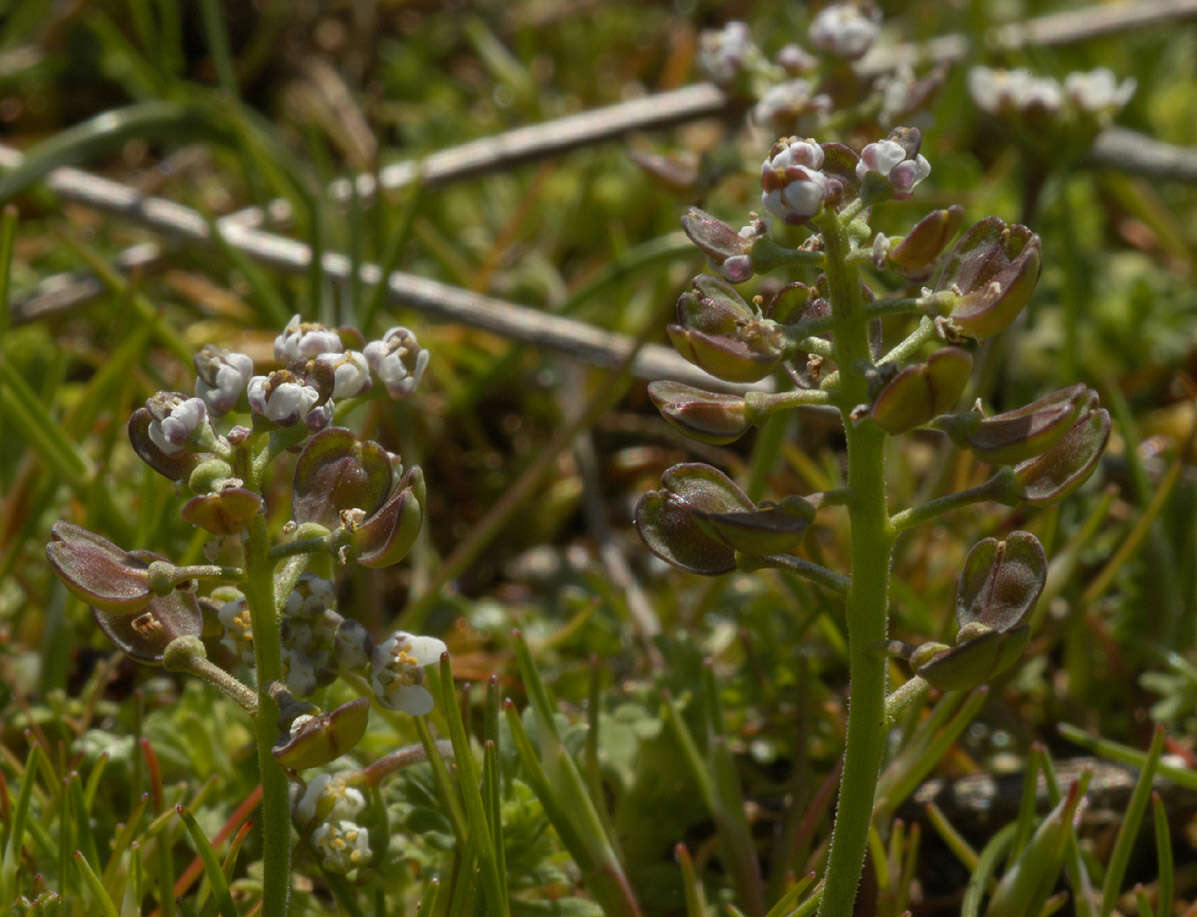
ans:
x=268 y=651
x=867 y=604
x=1001 y=488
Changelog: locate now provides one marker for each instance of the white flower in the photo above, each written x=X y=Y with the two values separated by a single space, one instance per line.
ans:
x=792 y=187
x=892 y=161
x=782 y=103
x=175 y=418
x=303 y=340
x=843 y=29
x=1098 y=91
x=721 y=54
x=398 y=663
x=998 y=91
x=281 y=397
x=221 y=377
x=342 y=846
x=351 y=373
x=328 y=797
x=238 y=630
x=398 y=360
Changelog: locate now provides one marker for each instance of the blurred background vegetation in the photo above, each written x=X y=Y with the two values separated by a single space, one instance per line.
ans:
x=529 y=530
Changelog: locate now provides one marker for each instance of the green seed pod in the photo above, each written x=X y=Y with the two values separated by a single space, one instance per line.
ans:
x=994 y=268
x=146 y=636
x=1001 y=581
x=920 y=392
x=1023 y=433
x=769 y=530
x=1049 y=478
x=315 y=740
x=385 y=537
x=224 y=513
x=710 y=417
x=915 y=255
x=336 y=472
x=974 y=662
x=666 y=519
x=97 y=571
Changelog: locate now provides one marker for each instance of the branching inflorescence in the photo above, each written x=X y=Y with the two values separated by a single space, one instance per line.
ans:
x=823 y=337
x=282 y=637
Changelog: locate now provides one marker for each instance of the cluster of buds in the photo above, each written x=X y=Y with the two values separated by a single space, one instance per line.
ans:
x=800 y=177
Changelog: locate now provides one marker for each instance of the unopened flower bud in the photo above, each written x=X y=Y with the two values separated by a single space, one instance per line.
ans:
x=896 y=161
x=310 y=598
x=398 y=671
x=221 y=377
x=844 y=29
x=397 y=360
x=301 y=341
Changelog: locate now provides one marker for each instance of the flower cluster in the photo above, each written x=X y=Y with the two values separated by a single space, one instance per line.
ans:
x=798 y=90
x=1095 y=93
x=351 y=501
x=844 y=29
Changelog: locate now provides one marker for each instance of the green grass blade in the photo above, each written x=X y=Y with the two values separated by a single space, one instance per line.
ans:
x=106 y=905
x=212 y=868
x=1128 y=831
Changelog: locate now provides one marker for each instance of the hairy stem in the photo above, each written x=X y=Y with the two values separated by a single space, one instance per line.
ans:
x=276 y=809
x=868 y=595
